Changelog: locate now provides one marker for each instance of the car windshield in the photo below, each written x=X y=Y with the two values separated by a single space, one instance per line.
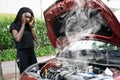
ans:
x=93 y=51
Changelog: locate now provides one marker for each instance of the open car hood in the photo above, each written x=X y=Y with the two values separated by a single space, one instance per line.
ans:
x=64 y=15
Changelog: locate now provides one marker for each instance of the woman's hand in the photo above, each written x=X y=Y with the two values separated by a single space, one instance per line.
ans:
x=23 y=19
x=31 y=22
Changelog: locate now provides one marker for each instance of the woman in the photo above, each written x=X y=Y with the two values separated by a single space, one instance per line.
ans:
x=23 y=33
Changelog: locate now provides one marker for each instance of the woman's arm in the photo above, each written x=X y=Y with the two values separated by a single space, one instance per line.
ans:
x=18 y=35
x=34 y=35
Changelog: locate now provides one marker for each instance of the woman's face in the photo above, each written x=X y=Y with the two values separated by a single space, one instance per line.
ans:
x=28 y=16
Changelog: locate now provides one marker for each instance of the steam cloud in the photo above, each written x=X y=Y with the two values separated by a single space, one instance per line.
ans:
x=81 y=21
x=78 y=22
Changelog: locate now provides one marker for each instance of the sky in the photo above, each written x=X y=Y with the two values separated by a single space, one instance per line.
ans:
x=12 y=6
x=38 y=6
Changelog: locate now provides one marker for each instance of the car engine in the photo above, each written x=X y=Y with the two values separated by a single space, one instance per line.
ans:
x=76 y=70
x=65 y=69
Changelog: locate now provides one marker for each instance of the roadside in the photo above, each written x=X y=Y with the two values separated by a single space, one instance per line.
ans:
x=10 y=68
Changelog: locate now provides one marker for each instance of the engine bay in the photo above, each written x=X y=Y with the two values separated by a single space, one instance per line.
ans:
x=79 y=71
x=72 y=63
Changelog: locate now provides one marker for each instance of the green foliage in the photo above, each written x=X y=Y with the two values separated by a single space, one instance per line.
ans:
x=42 y=46
x=41 y=31
x=6 y=40
x=8 y=54
x=45 y=51
x=5 y=36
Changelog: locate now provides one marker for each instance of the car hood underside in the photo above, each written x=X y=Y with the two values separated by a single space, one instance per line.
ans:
x=71 y=20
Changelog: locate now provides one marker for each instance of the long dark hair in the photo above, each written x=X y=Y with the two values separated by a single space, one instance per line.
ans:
x=18 y=19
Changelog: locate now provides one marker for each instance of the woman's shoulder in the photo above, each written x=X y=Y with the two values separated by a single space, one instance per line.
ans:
x=14 y=26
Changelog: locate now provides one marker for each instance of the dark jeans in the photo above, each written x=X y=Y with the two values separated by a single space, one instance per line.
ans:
x=25 y=58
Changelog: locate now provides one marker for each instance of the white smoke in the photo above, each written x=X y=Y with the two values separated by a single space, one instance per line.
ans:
x=78 y=22
x=81 y=21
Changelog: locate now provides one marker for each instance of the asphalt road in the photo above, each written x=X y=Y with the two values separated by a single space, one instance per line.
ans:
x=10 y=69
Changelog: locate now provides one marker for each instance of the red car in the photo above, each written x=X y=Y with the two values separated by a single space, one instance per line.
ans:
x=87 y=35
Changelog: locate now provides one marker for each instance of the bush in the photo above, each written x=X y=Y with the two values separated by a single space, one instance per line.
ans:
x=10 y=54
x=41 y=31
x=42 y=46
x=6 y=39
x=45 y=51
x=5 y=36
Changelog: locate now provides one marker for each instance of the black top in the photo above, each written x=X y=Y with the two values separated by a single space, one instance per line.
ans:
x=26 y=41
